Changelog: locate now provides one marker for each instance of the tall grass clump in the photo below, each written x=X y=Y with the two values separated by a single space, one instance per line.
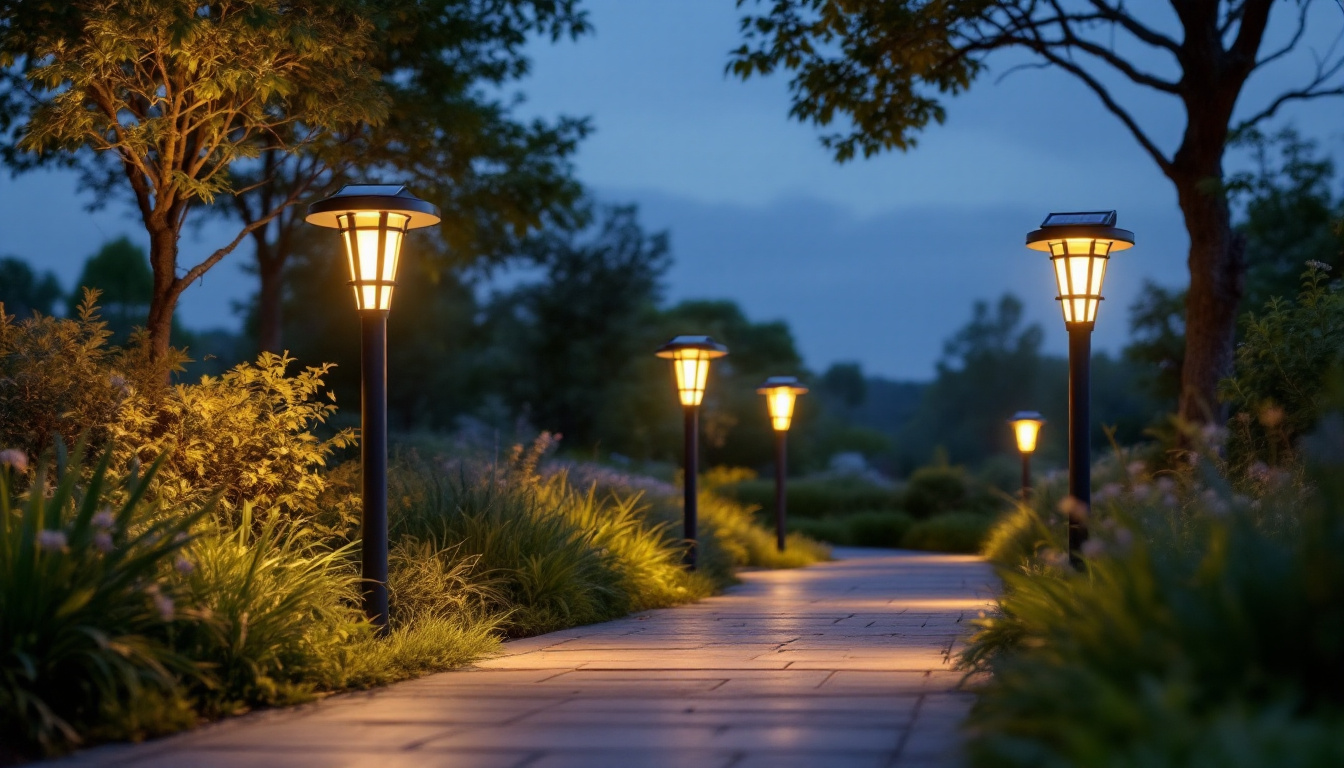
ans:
x=83 y=615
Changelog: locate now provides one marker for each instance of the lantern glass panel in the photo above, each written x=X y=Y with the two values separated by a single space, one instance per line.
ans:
x=780 y=402
x=373 y=251
x=691 y=367
x=1027 y=430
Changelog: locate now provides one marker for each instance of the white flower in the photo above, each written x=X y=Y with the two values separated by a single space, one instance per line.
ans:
x=1321 y=265
x=103 y=541
x=1135 y=468
x=51 y=541
x=15 y=459
x=1260 y=472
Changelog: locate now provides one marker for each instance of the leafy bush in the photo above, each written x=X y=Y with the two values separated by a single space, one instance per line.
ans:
x=247 y=435
x=832 y=530
x=936 y=489
x=816 y=497
x=952 y=532
x=82 y=614
x=1291 y=350
x=1205 y=631
x=61 y=378
x=877 y=529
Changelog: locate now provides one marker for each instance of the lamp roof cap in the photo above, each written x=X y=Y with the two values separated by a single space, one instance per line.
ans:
x=776 y=382
x=705 y=344
x=359 y=198
x=1090 y=225
x=1027 y=416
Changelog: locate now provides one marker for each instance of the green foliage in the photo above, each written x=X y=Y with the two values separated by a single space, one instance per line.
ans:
x=1279 y=388
x=952 y=532
x=937 y=489
x=24 y=291
x=878 y=529
x=119 y=271
x=271 y=611
x=817 y=497
x=247 y=435
x=82 y=613
x=1204 y=631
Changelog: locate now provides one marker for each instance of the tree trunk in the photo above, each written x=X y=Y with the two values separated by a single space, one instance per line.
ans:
x=163 y=261
x=270 y=298
x=1217 y=276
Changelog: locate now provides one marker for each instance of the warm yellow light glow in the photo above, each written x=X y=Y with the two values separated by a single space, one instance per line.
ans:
x=373 y=249
x=1080 y=270
x=692 y=369
x=1027 y=430
x=780 y=402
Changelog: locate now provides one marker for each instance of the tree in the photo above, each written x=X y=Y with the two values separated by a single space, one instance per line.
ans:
x=989 y=369
x=164 y=96
x=885 y=64
x=119 y=271
x=565 y=349
x=495 y=178
x=24 y=291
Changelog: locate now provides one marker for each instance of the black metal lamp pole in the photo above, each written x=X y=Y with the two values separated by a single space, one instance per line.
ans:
x=781 y=472
x=373 y=220
x=1026 y=477
x=690 y=485
x=1080 y=443
x=690 y=356
x=781 y=392
x=1080 y=246
x=373 y=463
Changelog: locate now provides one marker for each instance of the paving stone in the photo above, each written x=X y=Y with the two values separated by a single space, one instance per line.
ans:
x=839 y=665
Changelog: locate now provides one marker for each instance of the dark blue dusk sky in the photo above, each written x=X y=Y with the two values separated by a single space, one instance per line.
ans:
x=876 y=261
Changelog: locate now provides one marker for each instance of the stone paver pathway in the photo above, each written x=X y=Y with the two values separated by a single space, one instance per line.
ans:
x=839 y=665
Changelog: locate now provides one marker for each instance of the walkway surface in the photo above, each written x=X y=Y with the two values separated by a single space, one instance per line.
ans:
x=838 y=665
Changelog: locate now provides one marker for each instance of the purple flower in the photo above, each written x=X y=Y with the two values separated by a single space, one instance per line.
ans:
x=164 y=605
x=51 y=541
x=103 y=541
x=15 y=459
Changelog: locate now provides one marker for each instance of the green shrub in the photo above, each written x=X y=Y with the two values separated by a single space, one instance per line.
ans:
x=1205 y=631
x=936 y=489
x=877 y=529
x=1279 y=389
x=732 y=537
x=246 y=436
x=816 y=497
x=832 y=530
x=82 y=612
x=951 y=532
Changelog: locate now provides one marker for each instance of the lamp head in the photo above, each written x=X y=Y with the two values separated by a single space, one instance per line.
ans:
x=373 y=220
x=1027 y=428
x=690 y=356
x=1080 y=246
x=780 y=393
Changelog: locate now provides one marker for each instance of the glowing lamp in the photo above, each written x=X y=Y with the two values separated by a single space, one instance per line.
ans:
x=780 y=393
x=1027 y=427
x=373 y=220
x=1080 y=245
x=690 y=356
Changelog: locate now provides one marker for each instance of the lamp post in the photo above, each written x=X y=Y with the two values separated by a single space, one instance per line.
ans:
x=690 y=356
x=1080 y=245
x=780 y=393
x=1026 y=428
x=373 y=220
